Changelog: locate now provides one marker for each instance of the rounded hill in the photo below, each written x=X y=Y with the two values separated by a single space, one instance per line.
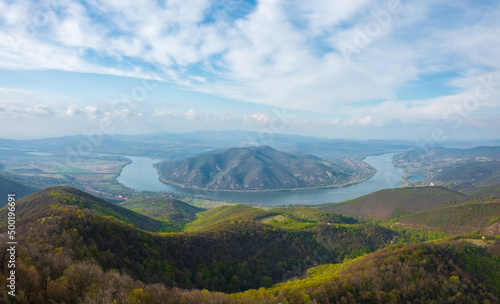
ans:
x=252 y=169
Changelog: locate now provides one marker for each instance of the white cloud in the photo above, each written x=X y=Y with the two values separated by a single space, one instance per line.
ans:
x=279 y=53
x=35 y=110
x=258 y=117
x=15 y=93
x=190 y=114
x=90 y=111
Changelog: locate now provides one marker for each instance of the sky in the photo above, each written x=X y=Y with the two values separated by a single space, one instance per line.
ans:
x=358 y=69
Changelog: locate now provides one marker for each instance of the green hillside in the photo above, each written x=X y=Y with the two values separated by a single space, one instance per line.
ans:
x=253 y=168
x=492 y=191
x=233 y=254
x=41 y=203
x=225 y=213
x=172 y=210
x=411 y=273
x=287 y=218
x=390 y=203
x=482 y=218
x=315 y=215
x=470 y=176
x=76 y=248
x=8 y=186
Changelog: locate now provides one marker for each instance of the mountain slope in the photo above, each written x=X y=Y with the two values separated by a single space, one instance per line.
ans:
x=8 y=186
x=483 y=218
x=451 y=272
x=386 y=204
x=169 y=209
x=229 y=255
x=252 y=168
x=42 y=202
x=68 y=251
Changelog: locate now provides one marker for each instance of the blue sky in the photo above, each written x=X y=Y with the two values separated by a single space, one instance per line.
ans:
x=341 y=69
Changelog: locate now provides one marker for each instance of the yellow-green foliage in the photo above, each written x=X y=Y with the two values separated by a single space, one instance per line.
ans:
x=226 y=213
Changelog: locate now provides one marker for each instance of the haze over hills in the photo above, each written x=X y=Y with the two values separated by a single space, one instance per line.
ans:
x=179 y=145
x=252 y=168
x=464 y=170
x=85 y=227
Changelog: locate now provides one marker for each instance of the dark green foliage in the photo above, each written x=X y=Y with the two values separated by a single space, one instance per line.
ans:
x=230 y=251
x=207 y=259
x=69 y=251
x=410 y=273
x=252 y=168
x=386 y=204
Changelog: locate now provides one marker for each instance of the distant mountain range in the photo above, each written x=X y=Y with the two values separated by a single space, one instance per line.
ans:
x=252 y=168
x=179 y=145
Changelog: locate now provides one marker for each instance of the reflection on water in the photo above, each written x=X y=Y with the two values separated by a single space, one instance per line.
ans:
x=142 y=176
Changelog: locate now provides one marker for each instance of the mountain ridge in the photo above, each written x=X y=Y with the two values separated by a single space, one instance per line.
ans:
x=256 y=168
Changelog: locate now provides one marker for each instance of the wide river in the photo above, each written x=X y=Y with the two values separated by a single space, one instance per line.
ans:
x=142 y=176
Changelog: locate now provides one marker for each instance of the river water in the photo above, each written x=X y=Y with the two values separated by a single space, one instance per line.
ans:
x=142 y=176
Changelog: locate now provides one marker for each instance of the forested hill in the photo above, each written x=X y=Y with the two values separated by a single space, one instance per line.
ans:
x=389 y=203
x=252 y=168
x=38 y=204
x=169 y=209
x=76 y=248
x=8 y=186
x=230 y=254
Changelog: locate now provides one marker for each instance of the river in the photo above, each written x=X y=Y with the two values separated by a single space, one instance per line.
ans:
x=142 y=176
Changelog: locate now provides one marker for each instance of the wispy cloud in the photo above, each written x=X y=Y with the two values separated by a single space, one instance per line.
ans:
x=270 y=52
x=276 y=53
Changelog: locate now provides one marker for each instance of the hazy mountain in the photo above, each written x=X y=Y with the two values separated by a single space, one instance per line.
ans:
x=252 y=168
x=179 y=145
